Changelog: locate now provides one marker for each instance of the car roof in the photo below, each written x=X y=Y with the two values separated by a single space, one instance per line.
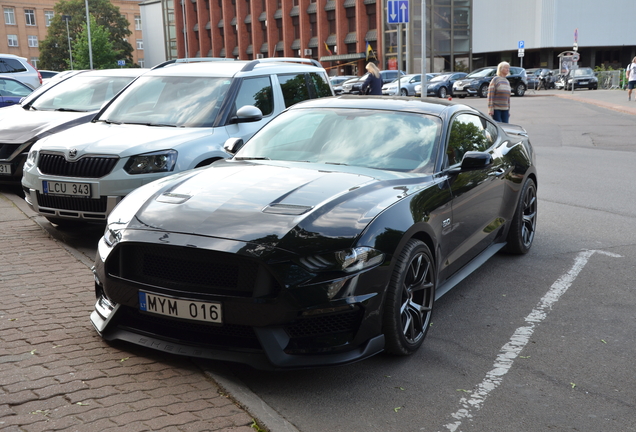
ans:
x=230 y=68
x=123 y=72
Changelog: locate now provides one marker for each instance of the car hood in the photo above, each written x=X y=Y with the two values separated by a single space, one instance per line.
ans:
x=121 y=140
x=18 y=125
x=264 y=203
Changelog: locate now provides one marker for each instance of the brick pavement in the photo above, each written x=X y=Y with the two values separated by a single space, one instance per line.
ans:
x=57 y=374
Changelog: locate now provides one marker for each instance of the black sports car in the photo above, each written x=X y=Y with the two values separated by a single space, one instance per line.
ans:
x=324 y=240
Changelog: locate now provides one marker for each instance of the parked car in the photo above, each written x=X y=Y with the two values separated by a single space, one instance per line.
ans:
x=12 y=92
x=404 y=85
x=337 y=81
x=354 y=87
x=53 y=108
x=441 y=85
x=581 y=78
x=476 y=83
x=47 y=75
x=19 y=68
x=173 y=118
x=311 y=246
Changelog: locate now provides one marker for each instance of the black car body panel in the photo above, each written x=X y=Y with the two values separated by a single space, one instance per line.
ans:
x=251 y=235
x=476 y=83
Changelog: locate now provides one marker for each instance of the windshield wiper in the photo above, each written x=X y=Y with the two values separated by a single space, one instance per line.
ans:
x=336 y=163
x=110 y=122
x=68 y=110
x=252 y=158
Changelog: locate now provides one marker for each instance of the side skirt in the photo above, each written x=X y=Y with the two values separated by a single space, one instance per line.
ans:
x=473 y=265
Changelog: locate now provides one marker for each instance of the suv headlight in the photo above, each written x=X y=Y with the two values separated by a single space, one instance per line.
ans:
x=161 y=161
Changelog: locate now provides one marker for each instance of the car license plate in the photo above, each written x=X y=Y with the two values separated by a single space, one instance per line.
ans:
x=66 y=188
x=180 y=308
x=5 y=169
x=583 y=82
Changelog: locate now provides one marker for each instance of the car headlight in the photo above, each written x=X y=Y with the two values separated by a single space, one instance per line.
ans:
x=347 y=260
x=161 y=161
x=31 y=160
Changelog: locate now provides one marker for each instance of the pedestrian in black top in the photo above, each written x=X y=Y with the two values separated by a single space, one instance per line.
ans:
x=373 y=84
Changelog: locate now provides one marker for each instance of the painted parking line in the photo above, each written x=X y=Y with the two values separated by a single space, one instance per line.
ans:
x=519 y=340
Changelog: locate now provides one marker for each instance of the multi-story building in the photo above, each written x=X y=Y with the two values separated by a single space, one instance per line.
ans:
x=26 y=23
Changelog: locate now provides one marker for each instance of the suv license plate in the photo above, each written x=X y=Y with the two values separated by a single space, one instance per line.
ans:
x=180 y=308
x=5 y=168
x=66 y=188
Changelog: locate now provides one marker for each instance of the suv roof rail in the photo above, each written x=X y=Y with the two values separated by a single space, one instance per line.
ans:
x=191 y=60
x=250 y=66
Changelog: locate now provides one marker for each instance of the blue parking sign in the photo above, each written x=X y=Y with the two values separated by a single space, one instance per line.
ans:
x=121 y=62
x=522 y=44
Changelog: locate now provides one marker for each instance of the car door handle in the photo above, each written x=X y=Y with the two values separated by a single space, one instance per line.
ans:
x=497 y=173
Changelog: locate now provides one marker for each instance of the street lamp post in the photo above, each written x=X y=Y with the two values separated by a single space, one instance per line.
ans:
x=90 y=42
x=67 y=18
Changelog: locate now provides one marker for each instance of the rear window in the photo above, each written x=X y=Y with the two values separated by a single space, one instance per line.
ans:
x=8 y=65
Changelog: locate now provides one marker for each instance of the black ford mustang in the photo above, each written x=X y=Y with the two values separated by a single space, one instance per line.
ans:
x=325 y=240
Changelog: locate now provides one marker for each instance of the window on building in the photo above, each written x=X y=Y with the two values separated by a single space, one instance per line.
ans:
x=12 y=40
x=137 y=22
x=371 y=16
x=29 y=15
x=9 y=16
x=48 y=17
x=141 y=62
x=34 y=62
x=33 y=41
x=140 y=44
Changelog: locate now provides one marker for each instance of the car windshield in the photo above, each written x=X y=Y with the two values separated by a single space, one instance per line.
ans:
x=81 y=93
x=169 y=101
x=439 y=78
x=582 y=72
x=10 y=88
x=480 y=73
x=395 y=141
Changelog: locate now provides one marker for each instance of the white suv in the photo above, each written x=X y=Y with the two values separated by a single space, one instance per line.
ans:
x=19 y=68
x=171 y=119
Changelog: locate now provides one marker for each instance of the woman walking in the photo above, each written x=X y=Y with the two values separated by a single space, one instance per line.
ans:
x=373 y=84
x=499 y=94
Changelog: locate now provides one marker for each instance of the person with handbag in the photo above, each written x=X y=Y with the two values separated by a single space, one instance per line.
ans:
x=373 y=84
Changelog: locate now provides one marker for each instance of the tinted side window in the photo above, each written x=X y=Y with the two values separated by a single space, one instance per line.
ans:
x=257 y=92
x=294 y=88
x=320 y=85
x=12 y=66
x=466 y=134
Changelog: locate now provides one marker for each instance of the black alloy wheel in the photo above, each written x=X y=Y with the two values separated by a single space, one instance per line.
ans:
x=524 y=221
x=483 y=91
x=409 y=299
x=442 y=92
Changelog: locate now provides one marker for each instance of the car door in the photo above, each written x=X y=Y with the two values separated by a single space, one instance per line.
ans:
x=257 y=91
x=477 y=193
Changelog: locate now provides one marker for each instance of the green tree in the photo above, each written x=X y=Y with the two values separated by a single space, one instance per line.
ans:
x=104 y=56
x=54 y=52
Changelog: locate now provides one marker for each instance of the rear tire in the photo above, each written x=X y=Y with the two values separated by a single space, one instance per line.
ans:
x=409 y=299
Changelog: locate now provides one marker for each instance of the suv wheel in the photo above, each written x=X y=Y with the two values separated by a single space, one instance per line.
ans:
x=520 y=90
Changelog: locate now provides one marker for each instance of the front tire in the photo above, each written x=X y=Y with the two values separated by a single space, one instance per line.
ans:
x=442 y=92
x=404 y=92
x=409 y=299
x=483 y=91
x=524 y=221
x=520 y=90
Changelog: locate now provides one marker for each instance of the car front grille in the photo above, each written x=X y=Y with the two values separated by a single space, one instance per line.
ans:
x=190 y=270
x=73 y=204
x=87 y=167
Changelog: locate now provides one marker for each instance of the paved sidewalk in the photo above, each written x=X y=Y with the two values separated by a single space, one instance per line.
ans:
x=57 y=374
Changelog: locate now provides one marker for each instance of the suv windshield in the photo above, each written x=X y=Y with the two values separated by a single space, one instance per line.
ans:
x=170 y=101
x=480 y=73
x=80 y=93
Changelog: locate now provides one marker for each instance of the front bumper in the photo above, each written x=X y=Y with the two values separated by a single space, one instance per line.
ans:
x=273 y=325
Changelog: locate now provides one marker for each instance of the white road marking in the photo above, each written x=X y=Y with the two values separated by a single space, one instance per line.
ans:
x=519 y=340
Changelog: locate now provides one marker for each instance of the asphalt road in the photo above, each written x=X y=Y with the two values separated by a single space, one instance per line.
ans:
x=533 y=343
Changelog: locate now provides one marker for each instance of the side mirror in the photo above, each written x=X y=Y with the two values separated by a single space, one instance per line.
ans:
x=232 y=145
x=473 y=160
x=247 y=114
